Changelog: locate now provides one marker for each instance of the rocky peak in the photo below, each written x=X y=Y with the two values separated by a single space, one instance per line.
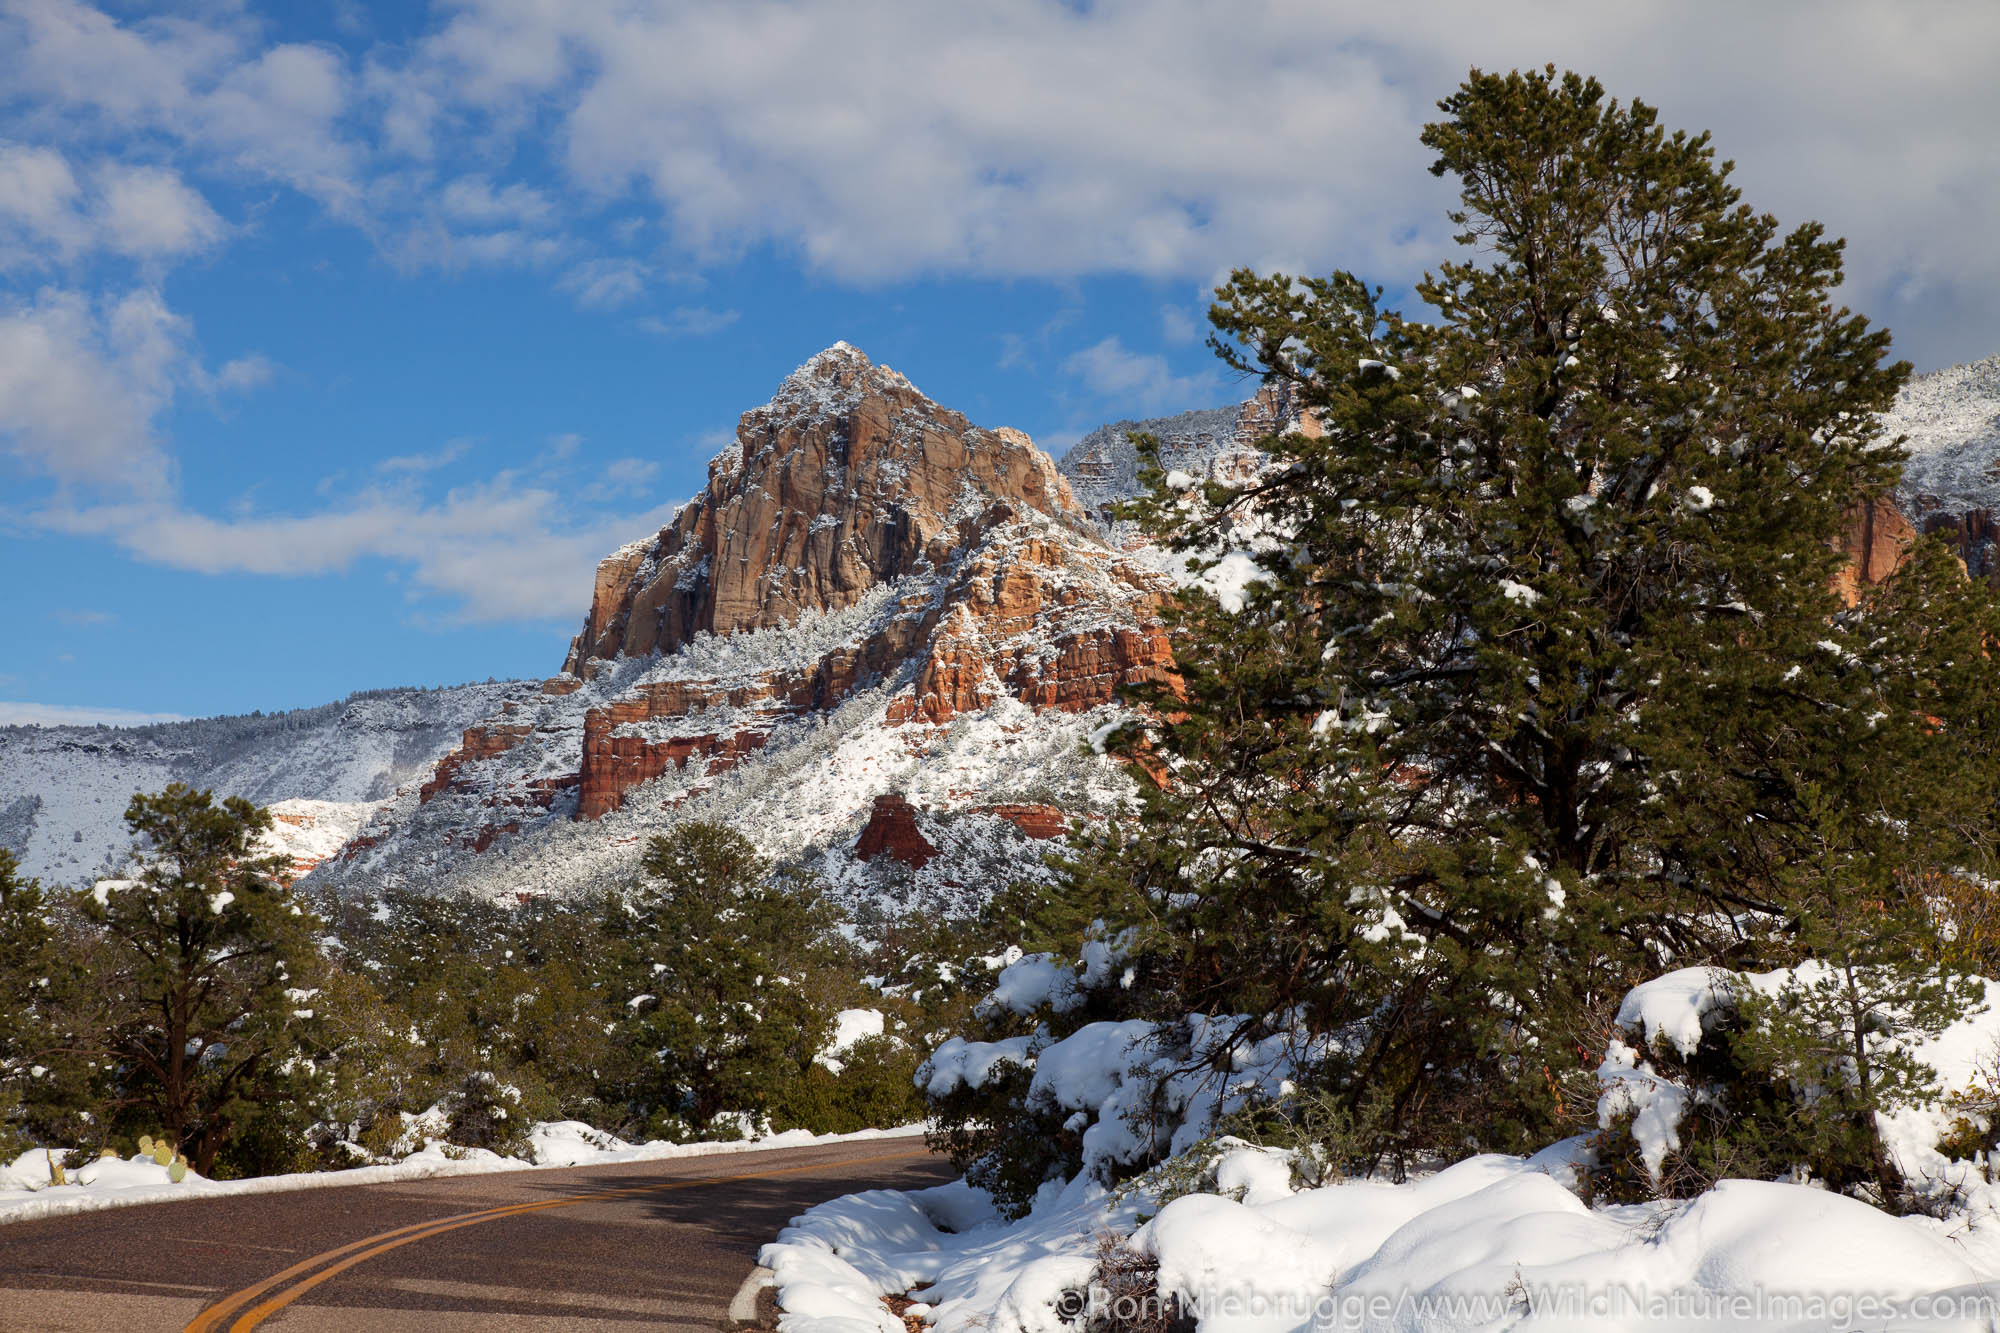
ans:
x=847 y=479
x=855 y=539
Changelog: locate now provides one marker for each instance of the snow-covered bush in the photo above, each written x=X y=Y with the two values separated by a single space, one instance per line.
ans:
x=1097 y=1097
x=1811 y=1072
x=484 y=1111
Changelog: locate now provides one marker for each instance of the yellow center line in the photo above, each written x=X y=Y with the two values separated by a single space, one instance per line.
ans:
x=225 y=1313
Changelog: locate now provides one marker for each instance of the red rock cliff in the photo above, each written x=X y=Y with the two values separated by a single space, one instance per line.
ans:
x=848 y=478
x=982 y=578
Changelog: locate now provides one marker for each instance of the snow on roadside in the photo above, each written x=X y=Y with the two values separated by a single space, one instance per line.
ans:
x=26 y=1194
x=1490 y=1242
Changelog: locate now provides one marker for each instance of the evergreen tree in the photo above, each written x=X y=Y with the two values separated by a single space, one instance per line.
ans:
x=207 y=971
x=1524 y=669
x=30 y=964
x=733 y=979
x=516 y=992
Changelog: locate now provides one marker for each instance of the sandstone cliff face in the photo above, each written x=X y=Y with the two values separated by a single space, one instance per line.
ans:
x=847 y=479
x=1876 y=538
x=856 y=537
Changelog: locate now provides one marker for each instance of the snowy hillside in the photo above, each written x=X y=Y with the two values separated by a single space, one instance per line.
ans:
x=804 y=796
x=1952 y=419
x=63 y=790
x=1103 y=467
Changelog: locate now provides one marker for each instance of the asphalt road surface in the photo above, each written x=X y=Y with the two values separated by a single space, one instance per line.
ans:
x=641 y=1245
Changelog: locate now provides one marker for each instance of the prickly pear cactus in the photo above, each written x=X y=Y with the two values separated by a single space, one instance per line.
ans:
x=107 y=1154
x=177 y=1170
x=163 y=1153
x=146 y=1145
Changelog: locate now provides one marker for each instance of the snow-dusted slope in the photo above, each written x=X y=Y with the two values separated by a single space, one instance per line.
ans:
x=1952 y=419
x=63 y=790
x=1103 y=466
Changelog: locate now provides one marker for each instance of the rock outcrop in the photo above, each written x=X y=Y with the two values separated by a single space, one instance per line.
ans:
x=1875 y=540
x=855 y=538
x=892 y=831
x=847 y=483
x=1037 y=821
x=849 y=478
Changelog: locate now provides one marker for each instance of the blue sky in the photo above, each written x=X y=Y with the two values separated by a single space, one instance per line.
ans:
x=338 y=341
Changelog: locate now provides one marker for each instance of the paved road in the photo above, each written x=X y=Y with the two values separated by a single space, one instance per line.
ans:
x=643 y=1245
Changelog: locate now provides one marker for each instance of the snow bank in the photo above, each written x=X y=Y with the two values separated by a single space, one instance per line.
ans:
x=26 y=1194
x=1490 y=1243
x=1137 y=1090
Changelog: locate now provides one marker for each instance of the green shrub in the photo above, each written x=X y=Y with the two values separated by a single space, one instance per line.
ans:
x=875 y=1089
x=487 y=1111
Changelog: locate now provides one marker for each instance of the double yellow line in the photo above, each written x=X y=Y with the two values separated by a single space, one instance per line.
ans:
x=251 y=1306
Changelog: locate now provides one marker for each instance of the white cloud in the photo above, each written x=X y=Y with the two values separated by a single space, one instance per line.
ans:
x=499 y=551
x=240 y=375
x=1138 y=381
x=47 y=215
x=433 y=243
x=475 y=199
x=621 y=479
x=605 y=284
x=877 y=139
x=889 y=139
x=885 y=140
x=205 y=82
x=431 y=462
x=16 y=713
x=80 y=385
x=151 y=211
x=38 y=198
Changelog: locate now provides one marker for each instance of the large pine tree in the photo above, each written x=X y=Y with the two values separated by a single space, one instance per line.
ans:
x=1527 y=673
x=206 y=975
x=734 y=978
x=31 y=968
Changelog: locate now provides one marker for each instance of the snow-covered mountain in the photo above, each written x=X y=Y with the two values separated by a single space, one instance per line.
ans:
x=1212 y=444
x=873 y=597
x=63 y=790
